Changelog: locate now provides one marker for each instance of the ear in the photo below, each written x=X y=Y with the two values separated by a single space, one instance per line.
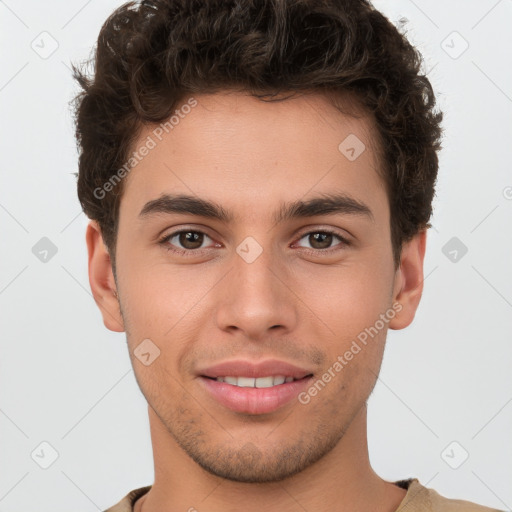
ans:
x=101 y=279
x=409 y=280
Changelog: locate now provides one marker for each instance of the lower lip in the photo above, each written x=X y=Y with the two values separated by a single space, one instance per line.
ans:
x=254 y=400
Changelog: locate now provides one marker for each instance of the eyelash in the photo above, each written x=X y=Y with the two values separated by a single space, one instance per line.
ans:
x=193 y=252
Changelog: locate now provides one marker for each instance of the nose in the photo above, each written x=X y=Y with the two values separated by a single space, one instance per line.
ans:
x=255 y=297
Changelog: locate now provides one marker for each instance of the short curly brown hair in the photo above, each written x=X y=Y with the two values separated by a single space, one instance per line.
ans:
x=152 y=54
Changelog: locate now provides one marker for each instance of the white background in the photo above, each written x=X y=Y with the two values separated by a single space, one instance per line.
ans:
x=66 y=380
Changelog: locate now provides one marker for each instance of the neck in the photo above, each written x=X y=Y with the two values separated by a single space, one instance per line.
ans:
x=343 y=481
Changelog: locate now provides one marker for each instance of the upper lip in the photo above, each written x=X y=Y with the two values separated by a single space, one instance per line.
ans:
x=241 y=368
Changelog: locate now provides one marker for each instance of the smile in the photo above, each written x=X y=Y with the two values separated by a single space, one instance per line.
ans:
x=254 y=395
x=259 y=382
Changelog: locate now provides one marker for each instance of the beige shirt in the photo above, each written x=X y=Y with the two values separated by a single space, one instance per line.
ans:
x=417 y=499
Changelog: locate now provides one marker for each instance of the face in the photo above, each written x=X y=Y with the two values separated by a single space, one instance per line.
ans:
x=249 y=279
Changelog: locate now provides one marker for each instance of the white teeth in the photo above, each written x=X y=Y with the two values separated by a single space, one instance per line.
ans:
x=260 y=382
x=264 y=382
x=245 y=382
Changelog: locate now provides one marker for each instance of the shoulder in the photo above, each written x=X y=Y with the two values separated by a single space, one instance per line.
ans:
x=126 y=504
x=420 y=498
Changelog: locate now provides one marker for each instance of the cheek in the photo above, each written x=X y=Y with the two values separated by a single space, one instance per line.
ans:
x=350 y=303
x=159 y=296
x=163 y=305
x=348 y=299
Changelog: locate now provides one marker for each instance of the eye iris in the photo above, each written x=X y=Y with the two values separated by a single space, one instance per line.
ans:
x=323 y=237
x=187 y=237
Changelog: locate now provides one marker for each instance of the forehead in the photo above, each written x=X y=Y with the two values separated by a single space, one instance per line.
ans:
x=288 y=116
x=244 y=152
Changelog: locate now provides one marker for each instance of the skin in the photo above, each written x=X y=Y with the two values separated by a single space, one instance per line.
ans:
x=211 y=306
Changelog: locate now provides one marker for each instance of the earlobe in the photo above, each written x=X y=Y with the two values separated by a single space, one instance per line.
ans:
x=101 y=279
x=408 y=285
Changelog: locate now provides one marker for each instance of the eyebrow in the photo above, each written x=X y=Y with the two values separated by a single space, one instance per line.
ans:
x=326 y=204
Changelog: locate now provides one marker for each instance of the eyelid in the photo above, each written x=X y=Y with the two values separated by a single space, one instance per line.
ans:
x=165 y=239
x=342 y=233
x=308 y=230
x=344 y=241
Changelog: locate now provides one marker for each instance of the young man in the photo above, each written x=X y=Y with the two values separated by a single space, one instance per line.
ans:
x=259 y=175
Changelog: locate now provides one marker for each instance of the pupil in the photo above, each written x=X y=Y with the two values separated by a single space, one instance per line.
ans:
x=191 y=237
x=323 y=237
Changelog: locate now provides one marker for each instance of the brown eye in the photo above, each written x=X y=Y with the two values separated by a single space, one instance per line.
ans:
x=322 y=241
x=190 y=239
x=184 y=241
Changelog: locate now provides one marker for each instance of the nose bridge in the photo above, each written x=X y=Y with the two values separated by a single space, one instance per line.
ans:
x=256 y=297
x=256 y=266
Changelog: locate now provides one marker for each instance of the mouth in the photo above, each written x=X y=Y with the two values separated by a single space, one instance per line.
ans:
x=257 y=382
x=254 y=395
